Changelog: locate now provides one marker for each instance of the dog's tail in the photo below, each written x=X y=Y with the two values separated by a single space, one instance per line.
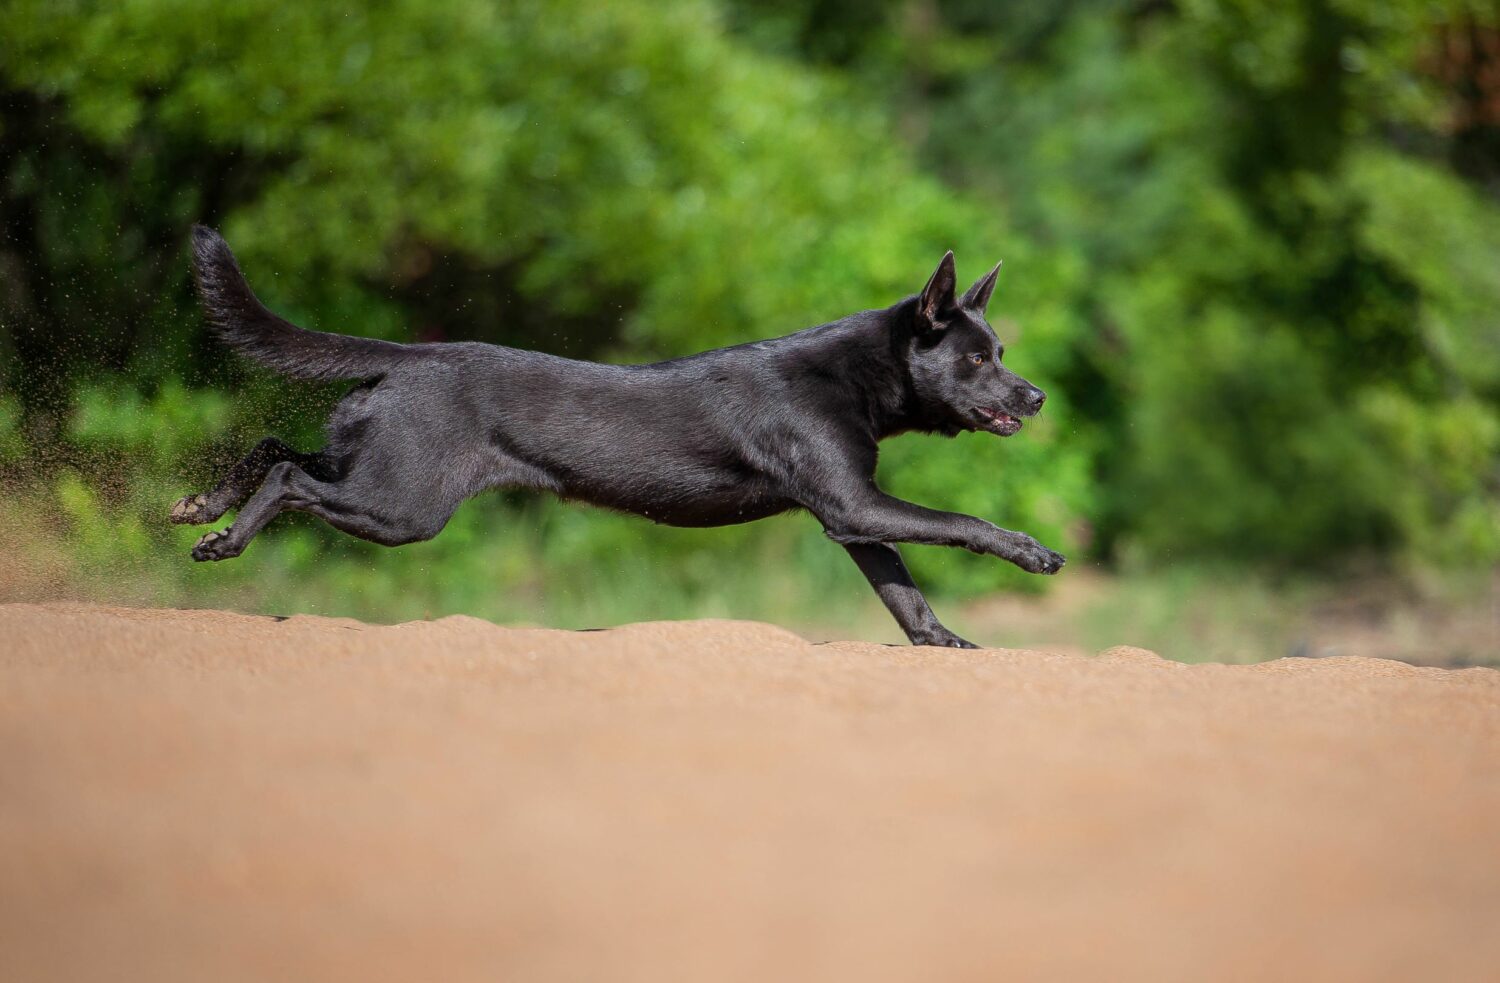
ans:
x=244 y=323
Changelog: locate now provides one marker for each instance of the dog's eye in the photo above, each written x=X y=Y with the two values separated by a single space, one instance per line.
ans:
x=979 y=358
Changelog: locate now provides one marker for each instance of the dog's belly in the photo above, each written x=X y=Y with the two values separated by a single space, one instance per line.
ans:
x=697 y=515
x=693 y=504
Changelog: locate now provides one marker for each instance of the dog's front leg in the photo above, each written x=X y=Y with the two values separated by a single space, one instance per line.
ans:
x=879 y=518
x=882 y=566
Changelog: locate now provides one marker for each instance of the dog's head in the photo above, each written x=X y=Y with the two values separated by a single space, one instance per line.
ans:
x=954 y=360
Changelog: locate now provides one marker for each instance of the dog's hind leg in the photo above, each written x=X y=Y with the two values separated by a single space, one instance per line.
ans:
x=339 y=503
x=239 y=484
x=883 y=567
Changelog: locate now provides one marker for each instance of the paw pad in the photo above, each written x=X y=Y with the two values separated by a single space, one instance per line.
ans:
x=214 y=546
x=187 y=508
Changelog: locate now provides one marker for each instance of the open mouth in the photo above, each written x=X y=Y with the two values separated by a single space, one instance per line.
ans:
x=996 y=422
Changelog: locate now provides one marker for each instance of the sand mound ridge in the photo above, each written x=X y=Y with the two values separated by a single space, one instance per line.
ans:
x=193 y=795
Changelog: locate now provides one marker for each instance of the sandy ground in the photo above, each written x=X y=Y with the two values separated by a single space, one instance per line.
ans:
x=206 y=796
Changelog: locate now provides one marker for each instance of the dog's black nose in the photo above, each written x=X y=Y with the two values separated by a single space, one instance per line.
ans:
x=1037 y=398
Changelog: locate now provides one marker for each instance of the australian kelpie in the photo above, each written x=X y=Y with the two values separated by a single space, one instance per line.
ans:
x=718 y=438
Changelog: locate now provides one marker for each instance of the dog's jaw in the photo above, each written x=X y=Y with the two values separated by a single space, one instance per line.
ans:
x=997 y=422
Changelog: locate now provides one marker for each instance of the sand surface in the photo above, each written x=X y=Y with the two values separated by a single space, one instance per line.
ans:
x=195 y=795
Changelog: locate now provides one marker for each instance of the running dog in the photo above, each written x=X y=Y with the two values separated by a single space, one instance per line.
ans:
x=719 y=438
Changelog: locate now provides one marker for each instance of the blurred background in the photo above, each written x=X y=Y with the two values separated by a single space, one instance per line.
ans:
x=1252 y=251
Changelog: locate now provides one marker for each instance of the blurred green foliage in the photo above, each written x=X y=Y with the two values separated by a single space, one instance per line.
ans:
x=1252 y=251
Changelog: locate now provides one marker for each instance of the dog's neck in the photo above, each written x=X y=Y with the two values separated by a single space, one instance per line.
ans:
x=869 y=352
x=897 y=406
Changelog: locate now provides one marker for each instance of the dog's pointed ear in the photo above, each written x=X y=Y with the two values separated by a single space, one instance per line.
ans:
x=936 y=299
x=978 y=296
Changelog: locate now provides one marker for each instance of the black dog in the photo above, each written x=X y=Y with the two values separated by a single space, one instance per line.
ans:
x=719 y=438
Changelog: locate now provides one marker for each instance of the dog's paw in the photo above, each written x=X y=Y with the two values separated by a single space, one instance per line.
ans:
x=215 y=546
x=189 y=510
x=942 y=638
x=1036 y=558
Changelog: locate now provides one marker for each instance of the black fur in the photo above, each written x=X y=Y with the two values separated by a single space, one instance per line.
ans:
x=243 y=322
x=718 y=438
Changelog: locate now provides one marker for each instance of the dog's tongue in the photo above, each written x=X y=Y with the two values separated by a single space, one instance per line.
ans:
x=1002 y=423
